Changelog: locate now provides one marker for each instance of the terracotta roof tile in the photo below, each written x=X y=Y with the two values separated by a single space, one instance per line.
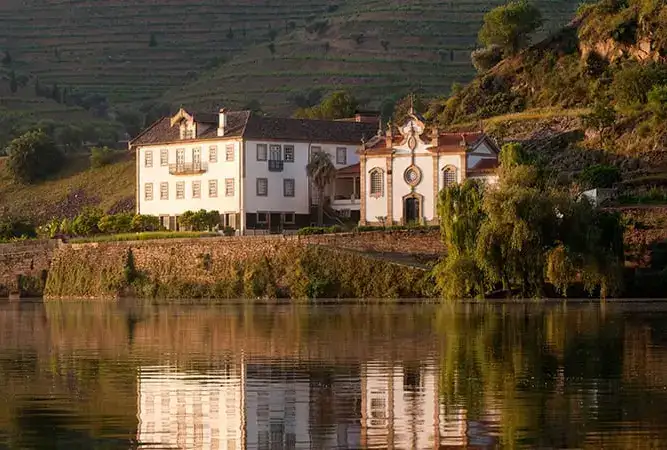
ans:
x=354 y=169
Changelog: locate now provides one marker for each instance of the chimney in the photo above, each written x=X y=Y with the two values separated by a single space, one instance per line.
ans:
x=390 y=136
x=222 y=122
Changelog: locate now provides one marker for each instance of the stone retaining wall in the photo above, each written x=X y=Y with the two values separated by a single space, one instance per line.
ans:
x=24 y=263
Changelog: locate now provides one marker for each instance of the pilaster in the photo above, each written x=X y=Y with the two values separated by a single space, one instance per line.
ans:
x=362 y=188
x=464 y=167
x=436 y=179
x=390 y=191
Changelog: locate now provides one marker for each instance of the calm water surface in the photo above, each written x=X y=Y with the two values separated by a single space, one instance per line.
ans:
x=117 y=376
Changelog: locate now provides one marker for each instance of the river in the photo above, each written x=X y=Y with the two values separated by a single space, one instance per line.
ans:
x=125 y=375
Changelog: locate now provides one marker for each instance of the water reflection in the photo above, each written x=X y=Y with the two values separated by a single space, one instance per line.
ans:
x=82 y=375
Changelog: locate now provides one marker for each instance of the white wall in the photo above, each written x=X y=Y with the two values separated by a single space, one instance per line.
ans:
x=219 y=171
x=275 y=201
x=425 y=163
x=375 y=207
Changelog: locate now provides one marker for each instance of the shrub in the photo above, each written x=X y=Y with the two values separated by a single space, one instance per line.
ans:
x=229 y=231
x=600 y=176
x=201 y=220
x=115 y=223
x=657 y=101
x=85 y=224
x=485 y=58
x=319 y=230
x=33 y=156
x=633 y=83
x=510 y=26
x=101 y=156
x=142 y=223
x=12 y=228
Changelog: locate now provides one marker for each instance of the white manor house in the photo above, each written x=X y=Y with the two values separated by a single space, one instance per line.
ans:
x=252 y=168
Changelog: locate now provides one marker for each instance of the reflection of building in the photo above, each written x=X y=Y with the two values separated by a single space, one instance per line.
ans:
x=238 y=408
x=193 y=411
x=401 y=409
x=277 y=406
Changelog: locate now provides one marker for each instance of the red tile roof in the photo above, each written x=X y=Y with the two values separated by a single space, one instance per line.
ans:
x=354 y=169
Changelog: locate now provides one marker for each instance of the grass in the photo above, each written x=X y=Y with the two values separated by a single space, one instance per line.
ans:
x=144 y=236
x=76 y=187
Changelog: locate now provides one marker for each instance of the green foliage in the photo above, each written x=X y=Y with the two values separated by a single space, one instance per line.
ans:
x=485 y=58
x=306 y=231
x=337 y=105
x=602 y=116
x=86 y=223
x=13 y=228
x=600 y=176
x=524 y=236
x=657 y=101
x=201 y=220
x=33 y=157
x=633 y=83
x=145 y=236
x=101 y=156
x=115 y=223
x=510 y=26
x=142 y=223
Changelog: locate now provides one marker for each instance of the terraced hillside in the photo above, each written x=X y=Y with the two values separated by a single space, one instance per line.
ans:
x=263 y=50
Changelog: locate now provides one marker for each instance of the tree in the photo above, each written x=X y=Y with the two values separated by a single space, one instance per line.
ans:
x=33 y=156
x=485 y=58
x=338 y=105
x=12 y=228
x=321 y=171
x=510 y=26
x=526 y=236
x=404 y=105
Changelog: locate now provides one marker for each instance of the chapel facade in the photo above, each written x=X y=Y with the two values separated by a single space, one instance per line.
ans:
x=403 y=170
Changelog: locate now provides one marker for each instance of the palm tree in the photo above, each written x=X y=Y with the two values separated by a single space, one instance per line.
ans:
x=322 y=172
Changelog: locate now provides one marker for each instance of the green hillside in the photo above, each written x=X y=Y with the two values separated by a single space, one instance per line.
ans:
x=111 y=188
x=236 y=52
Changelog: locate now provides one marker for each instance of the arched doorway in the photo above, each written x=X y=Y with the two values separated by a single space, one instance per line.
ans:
x=412 y=206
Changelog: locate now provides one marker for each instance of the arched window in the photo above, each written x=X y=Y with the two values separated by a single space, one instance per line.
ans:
x=449 y=176
x=377 y=182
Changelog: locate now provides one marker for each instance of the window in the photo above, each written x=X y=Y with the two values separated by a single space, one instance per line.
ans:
x=148 y=158
x=229 y=187
x=289 y=153
x=262 y=187
x=276 y=152
x=212 y=188
x=213 y=154
x=164 y=191
x=289 y=218
x=261 y=152
x=315 y=148
x=449 y=176
x=180 y=190
x=164 y=157
x=341 y=155
x=288 y=187
x=148 y=191
x=229 y=152
x=262 y=217
x=196 y=189
x=377 y=183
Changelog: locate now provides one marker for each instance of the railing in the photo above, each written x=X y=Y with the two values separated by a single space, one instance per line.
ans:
x=188 y=168
x=276 y=165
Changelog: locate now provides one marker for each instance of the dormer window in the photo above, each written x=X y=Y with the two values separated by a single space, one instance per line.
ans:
x=187 y=130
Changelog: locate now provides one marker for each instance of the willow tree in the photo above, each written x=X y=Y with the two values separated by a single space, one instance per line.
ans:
x=525 y=235
x=322 y=172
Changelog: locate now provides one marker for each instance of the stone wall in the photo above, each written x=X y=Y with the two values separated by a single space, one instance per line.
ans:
x=24 y=265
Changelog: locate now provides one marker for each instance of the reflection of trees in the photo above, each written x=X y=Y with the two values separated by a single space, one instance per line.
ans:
x=552 y=370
